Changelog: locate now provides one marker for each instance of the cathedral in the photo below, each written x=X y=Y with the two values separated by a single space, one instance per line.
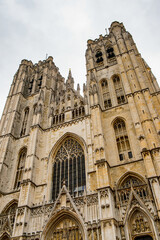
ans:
x=76 y=167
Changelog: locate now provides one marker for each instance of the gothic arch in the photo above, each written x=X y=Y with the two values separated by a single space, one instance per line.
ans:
x=53 y=153
x=20 y=165
x=113 y=122
x=132 y=189
x=118 y=88
x=8 y=205
x=98 y=55
x=110 y=51
x=103 y=79
x=7 y=216
x=58 y=219
x=140 y=223
x=105 y=93
x=120 y=118
x=122 y=139
x=129 y=174
x=24 y=123
x=79 y=139
x=21 y=149
x=115 y=75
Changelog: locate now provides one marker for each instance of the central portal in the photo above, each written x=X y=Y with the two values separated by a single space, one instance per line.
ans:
x=66 y=229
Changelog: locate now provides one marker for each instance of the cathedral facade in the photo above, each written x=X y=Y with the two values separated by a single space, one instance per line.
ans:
x=85 y=167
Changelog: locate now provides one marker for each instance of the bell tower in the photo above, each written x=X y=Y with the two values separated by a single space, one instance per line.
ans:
x=120 y=83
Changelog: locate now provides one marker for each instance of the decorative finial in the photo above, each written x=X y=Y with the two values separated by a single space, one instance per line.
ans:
x=78 y=87
x=70 y=73
x=63 y=182
x=84 y=87
x=70 y=80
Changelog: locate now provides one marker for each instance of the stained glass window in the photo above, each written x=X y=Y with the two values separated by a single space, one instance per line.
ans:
x=69 y=165
x=122 y=140
x=20 y=168
x=119 y=90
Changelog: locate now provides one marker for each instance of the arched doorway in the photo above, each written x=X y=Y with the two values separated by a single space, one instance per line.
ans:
x=65 y=228
x=145 y=237
x=140 y=225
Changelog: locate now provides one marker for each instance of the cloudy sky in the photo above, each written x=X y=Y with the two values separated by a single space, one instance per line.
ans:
x=30 y=29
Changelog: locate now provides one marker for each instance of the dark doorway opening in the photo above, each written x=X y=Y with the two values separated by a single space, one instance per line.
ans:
x=146 y=237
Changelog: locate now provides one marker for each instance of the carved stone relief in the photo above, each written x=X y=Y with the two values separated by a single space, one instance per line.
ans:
x=139 y=224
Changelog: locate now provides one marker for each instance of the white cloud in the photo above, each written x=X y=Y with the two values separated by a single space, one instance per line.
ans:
x=61 y=28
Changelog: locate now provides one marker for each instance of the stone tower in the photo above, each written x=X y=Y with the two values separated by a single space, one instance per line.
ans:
x=82 y=167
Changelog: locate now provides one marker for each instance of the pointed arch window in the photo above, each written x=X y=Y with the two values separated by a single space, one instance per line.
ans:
x=25 y=120
x=106 y=94
x=69 y=165
x=99 y=58
x=30 y=85
x=122 y=140
x=66 y=228
x=7 y=218
x=39 y=83
x=110 y=53
x=119 y=90
x=20 y=168
x=132 y=182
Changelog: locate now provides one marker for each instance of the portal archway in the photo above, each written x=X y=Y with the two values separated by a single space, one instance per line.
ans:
x=65 y=227
x=140 y=226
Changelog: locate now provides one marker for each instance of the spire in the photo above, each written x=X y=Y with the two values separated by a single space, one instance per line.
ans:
x=84 y=87
x=78 y=88
x=69 y=74
x=70 y=80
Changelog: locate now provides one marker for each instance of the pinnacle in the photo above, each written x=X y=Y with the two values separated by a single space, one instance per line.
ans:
x=70 y=73
x=78 y=87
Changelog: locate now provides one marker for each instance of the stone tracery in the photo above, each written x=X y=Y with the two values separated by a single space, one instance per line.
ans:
x=67 y=229
x=69 y=165
x=139 y=224
x=7 y=219
x=139 y=186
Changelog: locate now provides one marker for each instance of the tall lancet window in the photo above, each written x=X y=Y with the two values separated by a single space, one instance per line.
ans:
x=25 y=120
x=69 y=165
x=20 y=168
x=39 y=83
x=106 y=94
x=30 y=85
x=122 y=140
x=119 y=90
